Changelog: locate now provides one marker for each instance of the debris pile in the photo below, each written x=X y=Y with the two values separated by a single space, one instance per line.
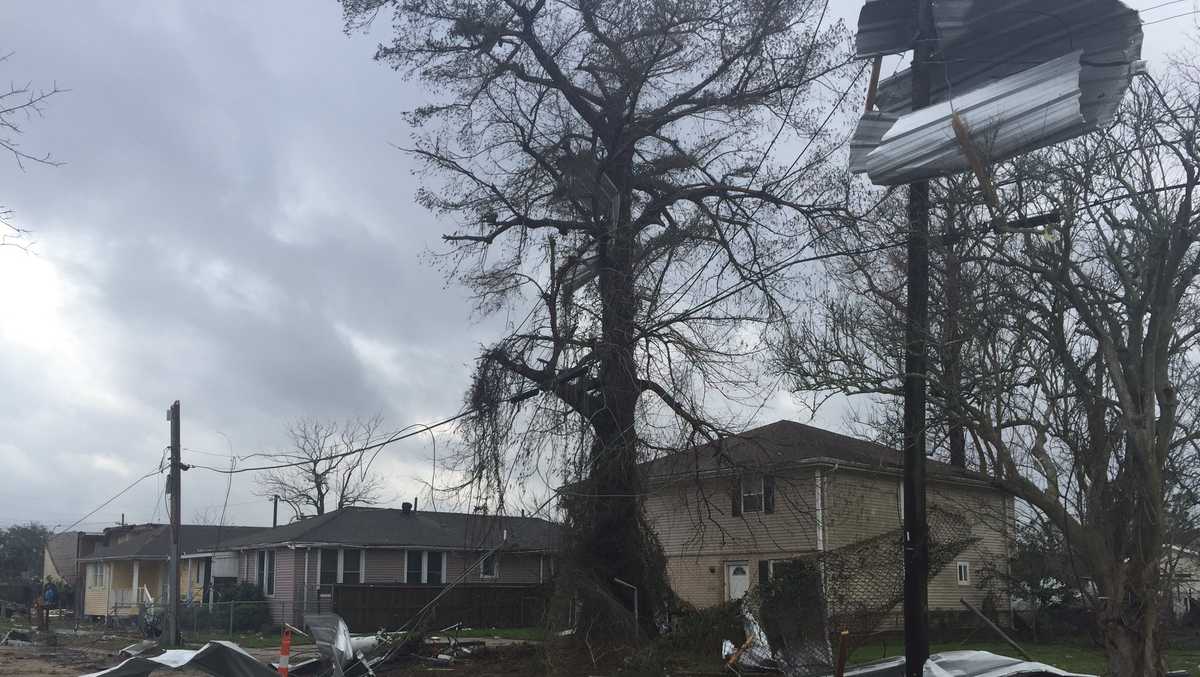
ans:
x=791 y=616
x=339 y=655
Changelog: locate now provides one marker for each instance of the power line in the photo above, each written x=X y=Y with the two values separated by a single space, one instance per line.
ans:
x=1177 y=16
x=394 y=438
x=118 y=495
x=1162 y=4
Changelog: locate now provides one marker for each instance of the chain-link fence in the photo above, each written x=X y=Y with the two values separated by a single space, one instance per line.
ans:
x=214 y=620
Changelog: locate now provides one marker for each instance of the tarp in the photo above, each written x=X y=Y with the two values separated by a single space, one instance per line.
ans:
x=224 y=659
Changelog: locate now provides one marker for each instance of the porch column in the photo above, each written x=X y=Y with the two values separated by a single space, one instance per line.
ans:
x=189 y=575
x=137 y=595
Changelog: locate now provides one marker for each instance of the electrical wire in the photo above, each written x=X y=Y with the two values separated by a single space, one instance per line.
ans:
x=378 y=445
x=1161 y=4
x=1177 y=16
x=119 y=494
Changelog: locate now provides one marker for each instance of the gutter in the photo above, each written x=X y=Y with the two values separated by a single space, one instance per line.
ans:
x=823 y=462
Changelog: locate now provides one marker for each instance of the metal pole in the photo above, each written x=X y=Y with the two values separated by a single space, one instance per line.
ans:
x=916 y=529
x=172 y=625
x=636 y=618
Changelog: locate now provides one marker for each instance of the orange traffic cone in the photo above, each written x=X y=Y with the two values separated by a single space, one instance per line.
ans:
x=285 y=649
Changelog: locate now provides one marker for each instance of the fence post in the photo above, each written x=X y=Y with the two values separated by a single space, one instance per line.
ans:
x=231 y=620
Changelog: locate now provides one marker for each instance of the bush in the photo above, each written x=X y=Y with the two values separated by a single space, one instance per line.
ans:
x=253 y=615
x=703 y=630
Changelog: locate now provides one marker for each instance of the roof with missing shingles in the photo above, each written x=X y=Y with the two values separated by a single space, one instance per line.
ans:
x=153 y=541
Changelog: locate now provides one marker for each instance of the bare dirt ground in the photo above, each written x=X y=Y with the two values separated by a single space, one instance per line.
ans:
x=54 y=660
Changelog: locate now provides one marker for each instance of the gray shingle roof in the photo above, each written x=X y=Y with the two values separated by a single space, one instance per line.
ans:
x=777 y=446
x=360 y=526
x=153 y=541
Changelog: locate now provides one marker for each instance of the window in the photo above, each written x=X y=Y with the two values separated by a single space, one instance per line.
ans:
x=269 y=589
x=425 y=566
x=260 y=576
x=329 y=569
x=964 y=573
x=487 y=568
x=341 y=565
x=435 y=562
x=352 y=566
x=413 y=567
x=752 y=494
x=95 y=572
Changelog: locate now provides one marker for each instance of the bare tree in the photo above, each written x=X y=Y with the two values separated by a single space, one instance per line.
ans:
x=1075 y=369
x=19 y=104
x=609 y=167
x=326 y=471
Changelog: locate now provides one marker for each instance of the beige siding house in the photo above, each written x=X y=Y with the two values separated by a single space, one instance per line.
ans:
x=725 y=513
x=298 y=564
x=128 y=566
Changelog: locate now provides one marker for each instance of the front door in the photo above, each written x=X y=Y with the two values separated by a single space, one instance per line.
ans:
x=737 y=580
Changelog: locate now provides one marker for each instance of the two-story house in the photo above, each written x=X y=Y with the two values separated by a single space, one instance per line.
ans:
x=725 y=512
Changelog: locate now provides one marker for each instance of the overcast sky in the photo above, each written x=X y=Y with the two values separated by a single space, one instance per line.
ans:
x=233 y=229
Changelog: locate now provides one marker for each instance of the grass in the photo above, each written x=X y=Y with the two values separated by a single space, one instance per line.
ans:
x=1074 y=657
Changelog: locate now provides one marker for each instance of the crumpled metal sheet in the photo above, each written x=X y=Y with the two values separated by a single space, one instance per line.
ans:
x=1032 y=108
x=332 y=637
x=995 y=50
x=224 y=659
x=962 y=664
x=758 y=655
x=980 y=44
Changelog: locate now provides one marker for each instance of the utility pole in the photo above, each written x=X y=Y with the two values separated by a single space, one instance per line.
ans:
x=916 y=528
x=172 y=625
x=275 y=511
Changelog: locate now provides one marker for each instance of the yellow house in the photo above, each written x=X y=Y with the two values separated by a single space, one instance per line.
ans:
x=128 y=568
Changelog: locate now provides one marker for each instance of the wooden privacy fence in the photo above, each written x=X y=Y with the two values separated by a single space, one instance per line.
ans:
x=367 y=608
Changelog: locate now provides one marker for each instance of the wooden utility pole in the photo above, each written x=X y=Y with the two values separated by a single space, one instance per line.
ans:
x=275 y=511
x=171 y=631
x=916 y=528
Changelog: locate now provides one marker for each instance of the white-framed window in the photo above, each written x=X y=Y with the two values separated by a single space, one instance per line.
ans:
x=964 y=573
x=425 y=566
x=95 y=575
x=490 y=566
x=264 y=573
x=352 y=566
x=341 y=565
x=752 y=493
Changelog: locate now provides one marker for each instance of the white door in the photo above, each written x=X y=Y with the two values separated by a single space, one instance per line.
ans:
x=737 y=580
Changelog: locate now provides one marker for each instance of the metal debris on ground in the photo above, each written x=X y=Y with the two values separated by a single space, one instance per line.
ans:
x=800 y=603
x=17 y=637
x=963 y=664
x=138 y=649
x=224 y=659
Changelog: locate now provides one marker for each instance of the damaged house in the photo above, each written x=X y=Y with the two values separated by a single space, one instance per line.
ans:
x=727 y=513
x=298 y=565
x=127 y=568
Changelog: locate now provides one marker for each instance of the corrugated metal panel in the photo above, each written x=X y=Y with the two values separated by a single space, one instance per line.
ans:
x=885 y=27
x=980 y=45
x=1032 y=109
x=868 y=136
x=1022 y=75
